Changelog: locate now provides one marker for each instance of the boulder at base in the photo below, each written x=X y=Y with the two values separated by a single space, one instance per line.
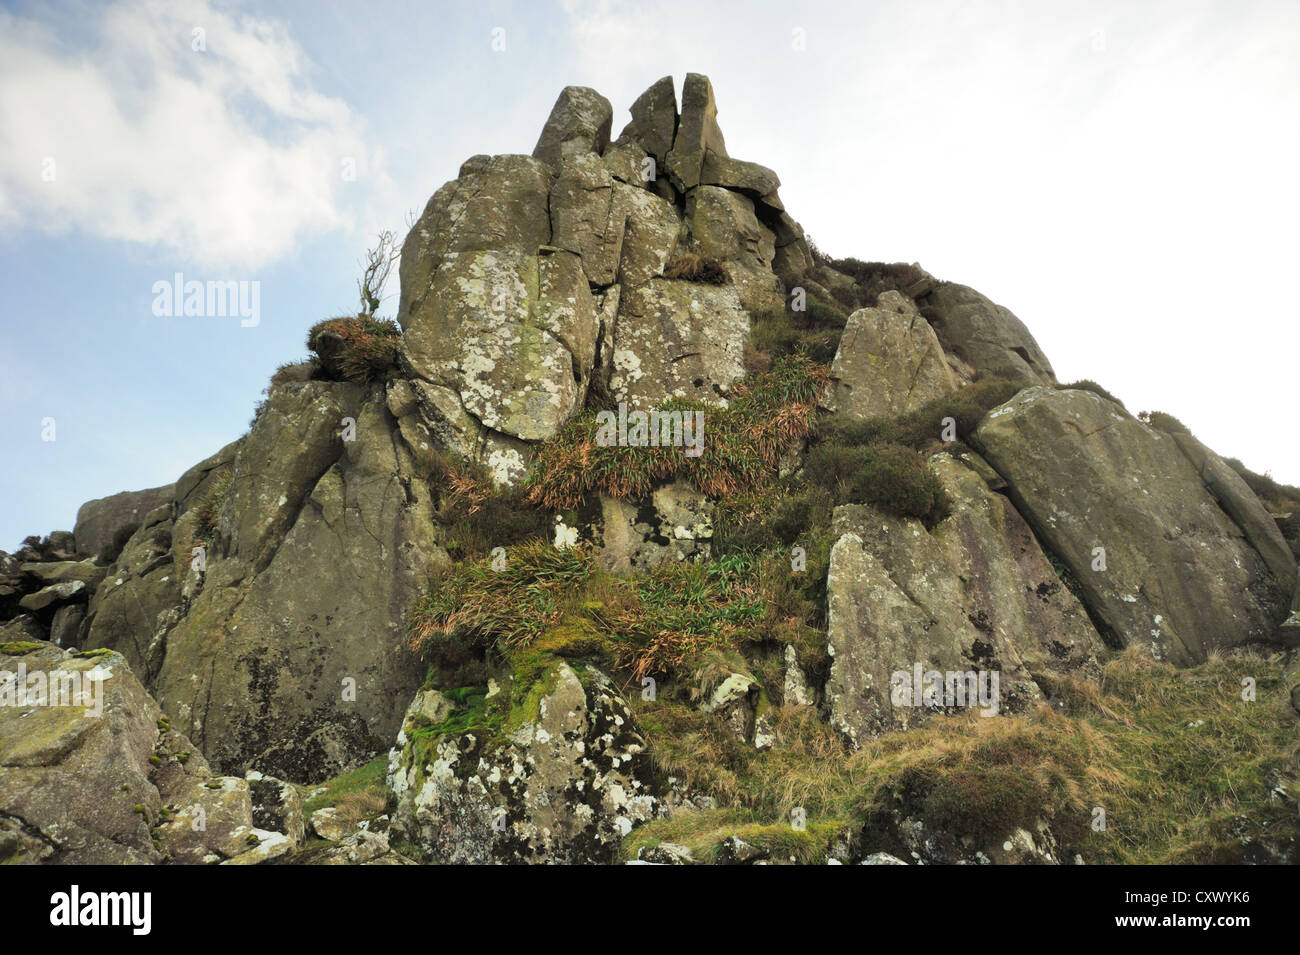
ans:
x=548 y=768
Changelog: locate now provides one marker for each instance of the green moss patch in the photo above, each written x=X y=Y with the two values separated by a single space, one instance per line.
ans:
x=370 y=778
x=19 y=648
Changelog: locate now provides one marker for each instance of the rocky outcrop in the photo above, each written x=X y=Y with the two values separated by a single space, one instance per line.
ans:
x=264 y=598
x=100 y=519
x=654 y=120
x=140 y=597
x=889 y=361
x=698 y=133
x=291 y=658
x=975 y=595
x=554 y=771
x=986 y=336
x=1159 y=563
x=91 y=773
x=579 y=124
x=529 y=278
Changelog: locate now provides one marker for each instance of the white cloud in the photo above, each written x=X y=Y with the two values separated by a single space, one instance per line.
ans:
x=225 y=157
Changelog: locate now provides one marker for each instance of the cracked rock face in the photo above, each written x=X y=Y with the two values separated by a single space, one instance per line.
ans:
x=113 y=784
x=561 y=784
x=889 y=361
x=974 y=594
x=287 y=653
x=1180 y=578
x=987 y=336
x=530 y=278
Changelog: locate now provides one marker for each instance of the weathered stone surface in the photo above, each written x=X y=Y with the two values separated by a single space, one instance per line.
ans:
x=676 y=524
x=138 y=600
x=498 y=203
x=302 y=668
x=362 y=847
x=500 y=328
x=54 y=594
x=328 y=823
x=654 y=120
x=100 y=519
x=697 y=133
x=513 y=335
x=889 y=361
x=650 y=236
x=1180 y=579
x=677 y=338
x=271 y=484
x=758 y=182
x=725 y=228
x=563 y=778
x=792 y=261
x=986 y=335
x=88 y=783
x=277 y=807
x=60 y=571
x=628 y=163
x=579 y=123
x=1240 y=503
x=666 y=853
x=583 y=217
x=976 y=593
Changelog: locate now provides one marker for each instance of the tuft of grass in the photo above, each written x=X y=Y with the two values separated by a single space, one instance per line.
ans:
x=359 y=348
x=557 y=603
x=19 y=648
x=899 y=481
x=922 y=428
x=1186 y=771
x=693 y=267
x=207 y=513
x=1163 y=422
x=872 y=279
x=813 y=335
x=1088 y=384
x=743 y=444
x=367 y=782
x=493 y=608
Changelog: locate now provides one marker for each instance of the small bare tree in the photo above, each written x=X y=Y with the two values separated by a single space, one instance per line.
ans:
x=378 y=265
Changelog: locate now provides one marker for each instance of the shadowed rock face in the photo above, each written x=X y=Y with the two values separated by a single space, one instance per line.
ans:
x=99 y=520
x=285 y=651
x=1180 y=578
x=975 y=593
x=987 y=336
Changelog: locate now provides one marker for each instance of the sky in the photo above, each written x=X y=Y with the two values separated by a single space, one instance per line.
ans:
x=1121 y=175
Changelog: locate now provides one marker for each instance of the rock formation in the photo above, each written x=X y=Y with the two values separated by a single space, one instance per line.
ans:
x=924 y=499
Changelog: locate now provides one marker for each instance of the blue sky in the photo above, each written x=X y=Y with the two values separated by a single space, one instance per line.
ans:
x=1121 y=176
